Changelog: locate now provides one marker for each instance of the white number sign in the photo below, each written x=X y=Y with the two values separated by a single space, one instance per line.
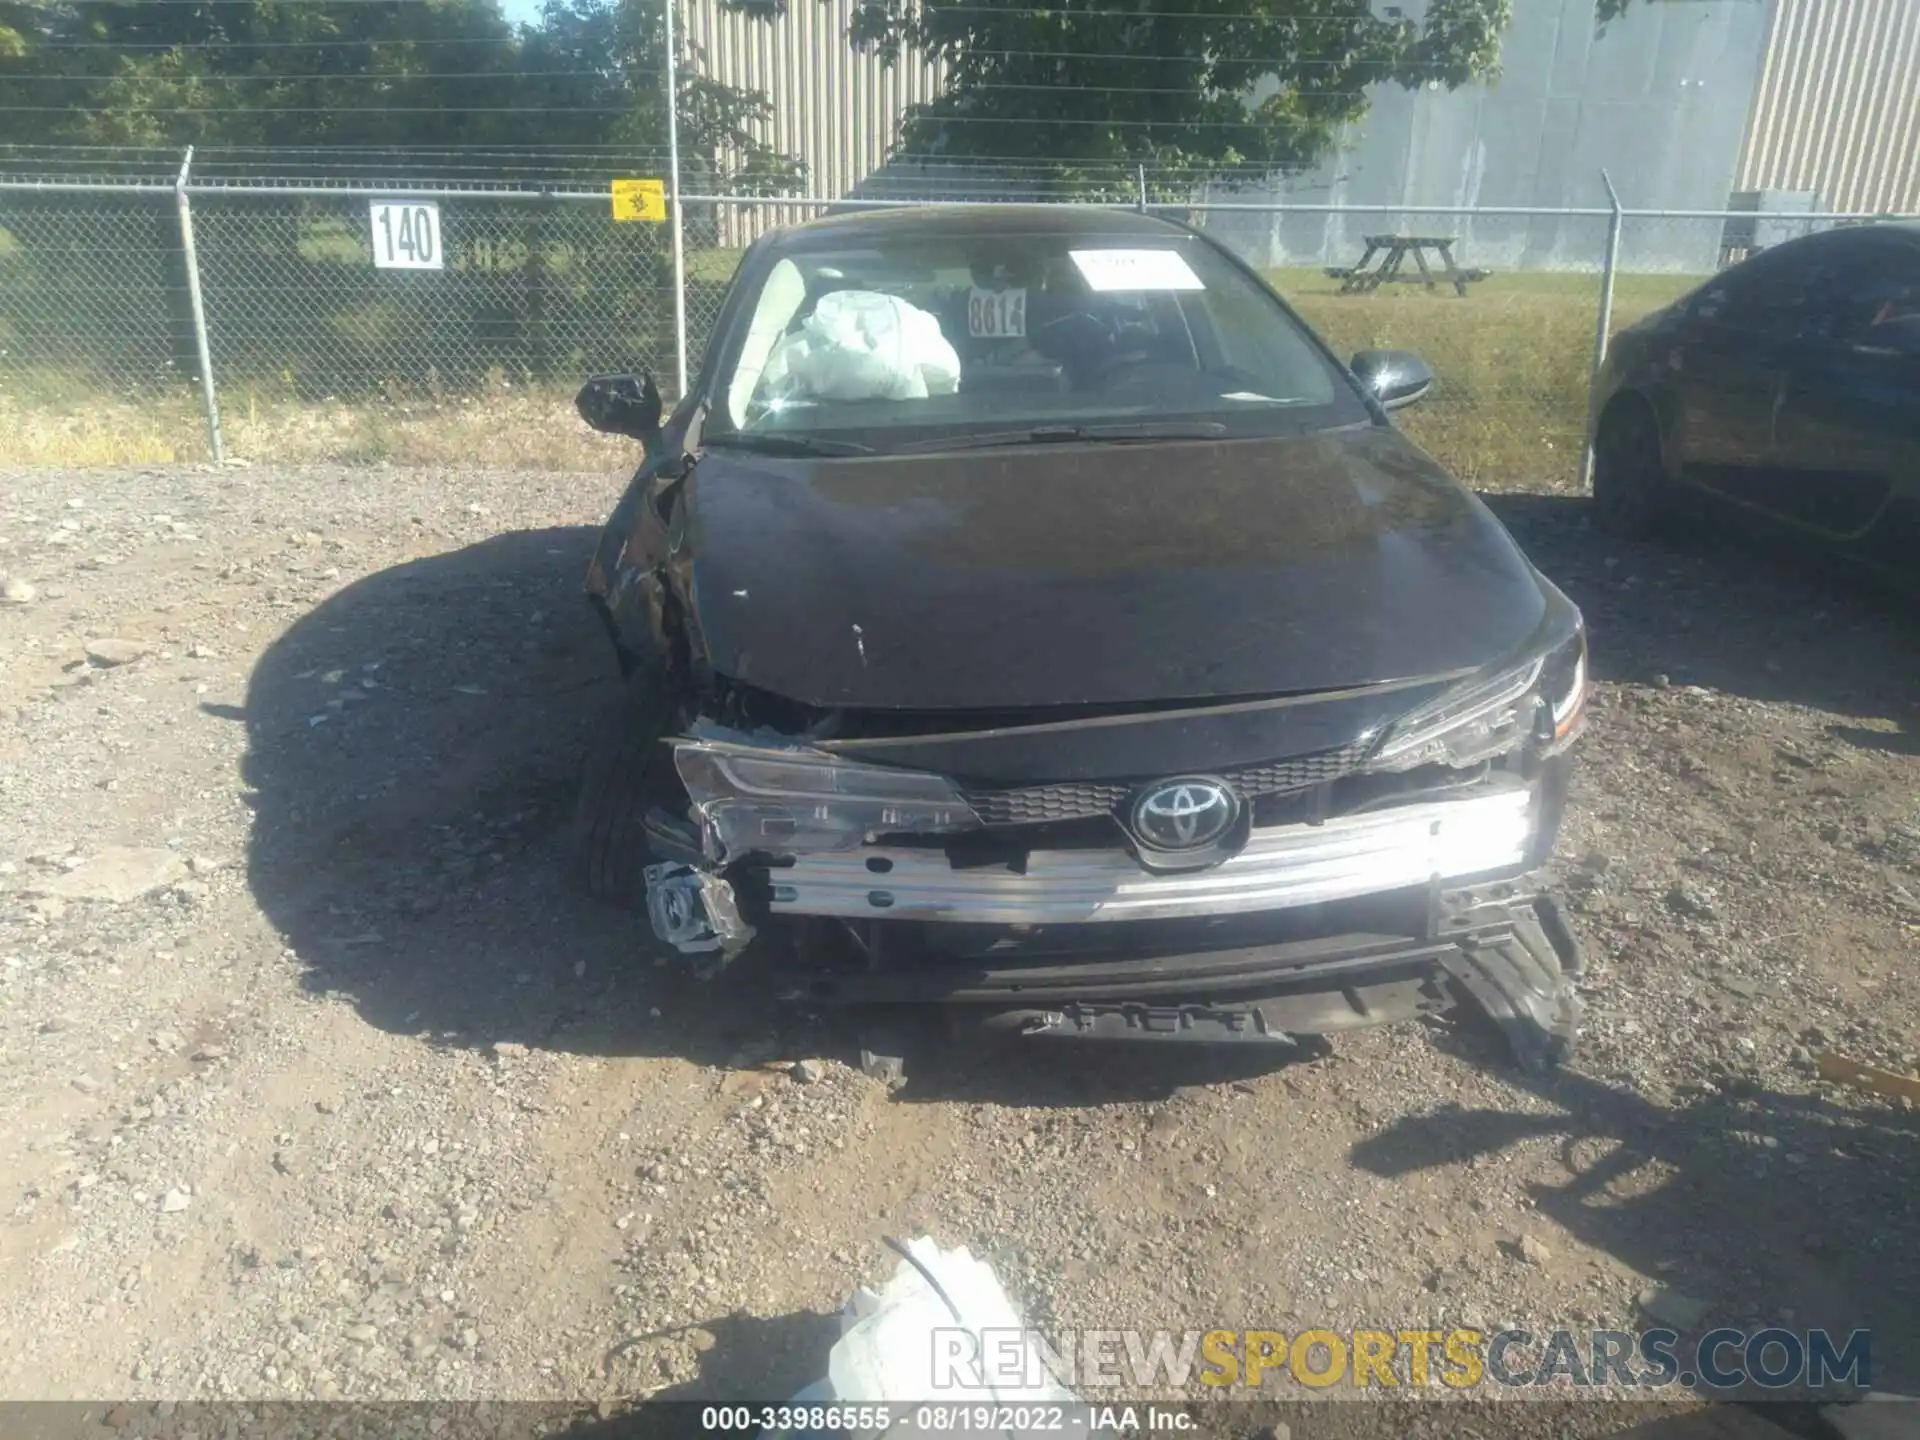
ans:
x=996 y=314
x=406 y=234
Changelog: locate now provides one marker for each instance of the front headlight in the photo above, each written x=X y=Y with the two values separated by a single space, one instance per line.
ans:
x=1482 y=718
x=790 y=801
x=1563 y=693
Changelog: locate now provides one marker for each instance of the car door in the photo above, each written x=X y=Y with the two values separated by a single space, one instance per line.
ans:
x=1724 y=370
x=1848 y=432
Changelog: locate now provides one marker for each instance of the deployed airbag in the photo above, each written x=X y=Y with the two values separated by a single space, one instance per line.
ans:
x=862 y=345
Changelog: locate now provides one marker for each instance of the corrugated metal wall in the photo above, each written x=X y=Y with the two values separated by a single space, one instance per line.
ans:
x=1838 y=107
x=1659 y=101
x=835 y=108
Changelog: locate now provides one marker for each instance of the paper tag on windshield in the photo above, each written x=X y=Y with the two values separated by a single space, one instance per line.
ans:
x=997 y=314
x=1136 y=270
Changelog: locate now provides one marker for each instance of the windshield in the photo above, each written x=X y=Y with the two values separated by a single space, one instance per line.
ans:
x=919 y=338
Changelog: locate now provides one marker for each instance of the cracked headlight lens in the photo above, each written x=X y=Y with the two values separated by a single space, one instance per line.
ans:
x=785 y=802
x=1484 y=717
x=1466 y=725
x=1563 y=692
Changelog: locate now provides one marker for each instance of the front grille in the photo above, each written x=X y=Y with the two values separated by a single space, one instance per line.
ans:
x=1302 y=771
x=1037 y=804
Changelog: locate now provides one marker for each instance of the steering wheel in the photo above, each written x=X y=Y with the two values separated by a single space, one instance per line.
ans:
x=1093 y=349
x=1115 y=372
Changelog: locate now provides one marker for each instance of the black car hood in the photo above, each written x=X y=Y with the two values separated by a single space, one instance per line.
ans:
x=1066 y=575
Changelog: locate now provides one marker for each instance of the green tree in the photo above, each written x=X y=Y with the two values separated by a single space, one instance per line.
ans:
x=1200 y=83
x=595 y=73
x=16 y=27
x=393 y=74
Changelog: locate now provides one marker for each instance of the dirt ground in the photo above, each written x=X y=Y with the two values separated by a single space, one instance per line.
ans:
x=318 y=1076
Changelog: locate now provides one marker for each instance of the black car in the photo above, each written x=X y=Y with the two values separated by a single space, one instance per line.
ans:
x=1785 y=391
x=1025 y=610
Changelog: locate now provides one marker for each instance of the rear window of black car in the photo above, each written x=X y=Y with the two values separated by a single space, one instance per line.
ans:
x=902 y=338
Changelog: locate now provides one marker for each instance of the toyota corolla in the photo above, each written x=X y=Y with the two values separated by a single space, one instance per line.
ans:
x=1025 y=610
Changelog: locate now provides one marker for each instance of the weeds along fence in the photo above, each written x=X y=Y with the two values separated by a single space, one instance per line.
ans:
x=316 y=293
x=94 y=286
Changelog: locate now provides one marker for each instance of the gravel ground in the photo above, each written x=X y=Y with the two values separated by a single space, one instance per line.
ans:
x=318 y=1078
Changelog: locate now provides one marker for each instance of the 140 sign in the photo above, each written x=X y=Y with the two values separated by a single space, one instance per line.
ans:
x=406 y=234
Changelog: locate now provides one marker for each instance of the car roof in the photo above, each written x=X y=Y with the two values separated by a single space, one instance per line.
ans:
x=1905 y=231
x=913 y=221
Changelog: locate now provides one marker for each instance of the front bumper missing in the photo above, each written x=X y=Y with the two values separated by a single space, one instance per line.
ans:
x=1354 y=961
x=1518 y=963
x=1281 y=867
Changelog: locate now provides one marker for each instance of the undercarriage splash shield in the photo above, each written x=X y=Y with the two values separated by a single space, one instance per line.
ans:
x=1205 y=1024
x=1525 y=984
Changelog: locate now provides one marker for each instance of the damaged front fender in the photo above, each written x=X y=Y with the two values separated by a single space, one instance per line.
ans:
x=636 y=574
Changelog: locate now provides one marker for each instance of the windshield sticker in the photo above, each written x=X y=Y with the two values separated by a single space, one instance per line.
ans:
x=1106 y=270
x=997 y=314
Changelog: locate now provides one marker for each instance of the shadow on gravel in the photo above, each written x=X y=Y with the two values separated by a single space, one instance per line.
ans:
x=962 y=1066
x=1770 y=1209
x=751 y=1358
x=1732 y=613
x=414 y=745
x=1907 y=742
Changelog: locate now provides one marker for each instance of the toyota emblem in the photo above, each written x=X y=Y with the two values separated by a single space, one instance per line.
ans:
x=1184 y=814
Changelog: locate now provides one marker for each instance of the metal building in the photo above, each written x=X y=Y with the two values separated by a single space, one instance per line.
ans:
x=1659 y=100
x=836 y=109
x=1790 y=104
x=1836 y=114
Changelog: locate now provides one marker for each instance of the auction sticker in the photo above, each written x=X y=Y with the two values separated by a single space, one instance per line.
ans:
x=996 y=314
x=1136 y=270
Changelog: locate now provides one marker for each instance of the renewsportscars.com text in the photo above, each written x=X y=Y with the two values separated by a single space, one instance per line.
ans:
x=1772 y=1358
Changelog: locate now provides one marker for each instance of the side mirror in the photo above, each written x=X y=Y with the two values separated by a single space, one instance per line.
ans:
x=621 y=405
x=1393 y=377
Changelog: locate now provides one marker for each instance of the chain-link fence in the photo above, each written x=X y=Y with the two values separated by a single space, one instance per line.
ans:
x=93 y=291
x=528 y=288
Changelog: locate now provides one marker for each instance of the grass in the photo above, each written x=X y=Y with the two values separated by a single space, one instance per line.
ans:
x=503 y=427
x=1508 y=412
x=1512 y=360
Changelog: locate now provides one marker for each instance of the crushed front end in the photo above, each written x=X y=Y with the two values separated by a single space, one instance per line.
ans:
x=1248 y=871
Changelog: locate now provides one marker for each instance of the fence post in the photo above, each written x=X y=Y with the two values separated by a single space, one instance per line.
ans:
x=539 y=356
x=673 y=190
x=1141 y=171
x=1603 y=327
x=194 y=300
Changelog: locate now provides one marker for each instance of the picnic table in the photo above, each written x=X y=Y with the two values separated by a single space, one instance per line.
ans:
x=1393 y=251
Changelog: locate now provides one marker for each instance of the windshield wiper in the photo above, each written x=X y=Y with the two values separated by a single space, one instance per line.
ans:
x=1074 y=434
x=782 y=444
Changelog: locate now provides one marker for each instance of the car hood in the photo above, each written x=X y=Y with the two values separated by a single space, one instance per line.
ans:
x=1069 y=575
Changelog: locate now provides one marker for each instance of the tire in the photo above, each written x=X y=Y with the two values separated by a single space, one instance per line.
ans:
x=1629 y=471
x=618 y=782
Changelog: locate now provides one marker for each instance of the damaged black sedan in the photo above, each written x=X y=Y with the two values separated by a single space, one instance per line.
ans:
x=1025 y=610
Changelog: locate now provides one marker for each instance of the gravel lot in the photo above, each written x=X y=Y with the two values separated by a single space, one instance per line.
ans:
x=319 y=1078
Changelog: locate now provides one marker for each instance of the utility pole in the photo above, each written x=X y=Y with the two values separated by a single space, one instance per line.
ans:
x=673 y=202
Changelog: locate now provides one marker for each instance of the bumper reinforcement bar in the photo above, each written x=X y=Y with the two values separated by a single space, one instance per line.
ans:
x=1280 y=867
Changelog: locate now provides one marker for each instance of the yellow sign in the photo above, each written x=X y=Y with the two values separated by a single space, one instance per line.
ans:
x=639 y=199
